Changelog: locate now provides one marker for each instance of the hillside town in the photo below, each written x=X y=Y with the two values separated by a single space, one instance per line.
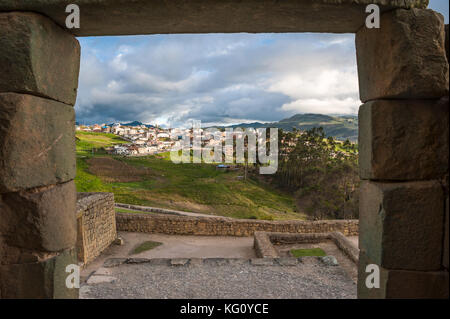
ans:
x=146 y=139
x=143 y=139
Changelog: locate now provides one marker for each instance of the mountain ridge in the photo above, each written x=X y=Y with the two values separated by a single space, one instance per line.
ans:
x=341 y=127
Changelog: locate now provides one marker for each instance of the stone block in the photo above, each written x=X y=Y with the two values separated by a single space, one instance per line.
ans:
x=401 y=224
x=447 y=50
x=40 y=219
x=43 y=279
x=38 y=57
x=405 y=58
x=404 y=140
x=402 y=284
x=37 y=142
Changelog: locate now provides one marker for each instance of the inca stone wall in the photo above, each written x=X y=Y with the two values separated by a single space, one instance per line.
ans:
x=214 y=226
x=263 y=242
x=39 y=64
x=96 y=224
x=404 y=151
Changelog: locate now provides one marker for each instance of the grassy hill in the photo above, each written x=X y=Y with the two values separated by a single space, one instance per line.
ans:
x=156 y=181
x=340 y=127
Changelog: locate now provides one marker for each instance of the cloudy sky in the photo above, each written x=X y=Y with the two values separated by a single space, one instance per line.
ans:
x=218 y=78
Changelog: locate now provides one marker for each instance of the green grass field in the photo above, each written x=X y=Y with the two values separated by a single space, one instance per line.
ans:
x=316 y=252
x=157 y=181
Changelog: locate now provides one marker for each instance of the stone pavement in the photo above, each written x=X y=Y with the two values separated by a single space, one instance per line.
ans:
x=303 y=278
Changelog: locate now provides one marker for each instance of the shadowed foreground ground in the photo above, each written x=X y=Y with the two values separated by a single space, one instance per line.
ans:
x=220 y=278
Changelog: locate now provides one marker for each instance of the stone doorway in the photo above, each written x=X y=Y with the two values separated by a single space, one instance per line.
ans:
x=403 y=76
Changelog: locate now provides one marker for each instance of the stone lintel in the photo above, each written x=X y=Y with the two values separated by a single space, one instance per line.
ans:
x=124 y=17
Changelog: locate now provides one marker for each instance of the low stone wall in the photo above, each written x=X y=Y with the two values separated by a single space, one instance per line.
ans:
x=96 y=224
x=223 y=226
x=264 y=241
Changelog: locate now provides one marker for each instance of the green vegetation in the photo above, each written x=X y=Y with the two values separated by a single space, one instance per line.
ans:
x=86 y=141
x=124 y=210
x=146 y=246
x=320 y=172
x=157 y=181
x=315 y=252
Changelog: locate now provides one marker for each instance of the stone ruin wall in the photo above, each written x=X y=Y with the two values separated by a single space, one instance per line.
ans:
x=96 y=224
x=217 y=226
x=264 y=243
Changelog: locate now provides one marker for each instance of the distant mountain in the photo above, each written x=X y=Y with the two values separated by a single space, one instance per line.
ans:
x=340 y=127
x=135 y=123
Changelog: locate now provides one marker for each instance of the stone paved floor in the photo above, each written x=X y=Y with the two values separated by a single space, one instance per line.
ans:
x=220 y=278
x=175 y=246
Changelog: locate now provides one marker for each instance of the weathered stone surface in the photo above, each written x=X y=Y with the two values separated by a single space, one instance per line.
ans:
x=405 y=58
x=114 y=262
x=40 y=219
x=287 y=261
x=401 y=224
x=116 y=17
x=404 y=140
x=38 y=57
x=179 y=261
x=329 y=260
x=400 y=284
x=43 y=279
x=37 y=142
x=223 y=226
x=96 y=224
x=447 y=42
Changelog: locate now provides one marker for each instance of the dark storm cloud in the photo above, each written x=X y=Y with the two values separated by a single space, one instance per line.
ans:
x=217 y=78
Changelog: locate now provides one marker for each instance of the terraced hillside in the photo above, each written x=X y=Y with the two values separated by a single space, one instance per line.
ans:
x=157 y=181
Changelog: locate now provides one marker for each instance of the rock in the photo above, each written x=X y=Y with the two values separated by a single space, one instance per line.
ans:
x=405 y=58
x=329 y=260
x=402 y=224
x=114 y=262
x=287 y=261
x=137 y=260
x=37 y=142
x=38 y=56
x=399 y=140
x=44 y=279
x=179 y=261
x=40 y=219
x=118 y=241
x=402 y=284
x=447 y=42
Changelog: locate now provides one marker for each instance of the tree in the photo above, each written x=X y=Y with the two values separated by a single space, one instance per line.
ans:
x=317 y=172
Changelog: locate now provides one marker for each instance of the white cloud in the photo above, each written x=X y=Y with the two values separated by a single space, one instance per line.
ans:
x=325 y=106
x=216 y=78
